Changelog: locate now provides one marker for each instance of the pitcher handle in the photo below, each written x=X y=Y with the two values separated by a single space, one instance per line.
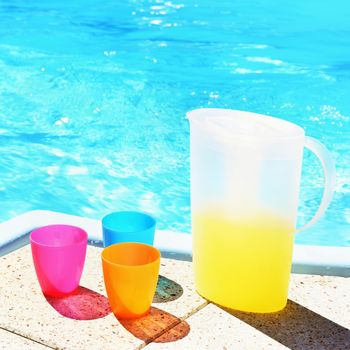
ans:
x=327 y=162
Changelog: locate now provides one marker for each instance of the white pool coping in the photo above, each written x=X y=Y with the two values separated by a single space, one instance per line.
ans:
x=321 y=260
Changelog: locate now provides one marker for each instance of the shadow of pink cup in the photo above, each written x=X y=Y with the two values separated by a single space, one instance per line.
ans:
x=58 y=254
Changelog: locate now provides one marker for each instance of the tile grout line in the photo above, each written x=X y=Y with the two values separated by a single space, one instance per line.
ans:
x=181 y=319
x=167 y=329
x=23 y=336
x=194 y=311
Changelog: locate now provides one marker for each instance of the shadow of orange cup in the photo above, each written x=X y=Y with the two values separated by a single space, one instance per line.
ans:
x=130 y=272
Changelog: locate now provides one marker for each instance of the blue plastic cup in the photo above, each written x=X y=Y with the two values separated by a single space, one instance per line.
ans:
x=128 y=226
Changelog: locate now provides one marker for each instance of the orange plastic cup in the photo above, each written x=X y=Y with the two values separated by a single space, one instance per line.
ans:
x=130 y=272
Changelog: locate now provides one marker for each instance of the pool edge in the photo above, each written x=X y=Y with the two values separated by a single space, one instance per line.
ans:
x=321 y=260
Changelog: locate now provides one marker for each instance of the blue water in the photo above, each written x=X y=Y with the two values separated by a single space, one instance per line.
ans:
x=93 y=98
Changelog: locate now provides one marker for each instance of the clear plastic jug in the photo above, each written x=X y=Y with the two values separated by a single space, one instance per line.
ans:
x=245 y=178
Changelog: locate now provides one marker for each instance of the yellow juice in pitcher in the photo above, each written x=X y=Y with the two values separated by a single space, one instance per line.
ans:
x=243 y=263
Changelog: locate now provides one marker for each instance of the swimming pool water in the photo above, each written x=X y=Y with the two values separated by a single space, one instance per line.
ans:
x=93 y=97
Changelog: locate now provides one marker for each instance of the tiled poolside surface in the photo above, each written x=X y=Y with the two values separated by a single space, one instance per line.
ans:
x=317 y=315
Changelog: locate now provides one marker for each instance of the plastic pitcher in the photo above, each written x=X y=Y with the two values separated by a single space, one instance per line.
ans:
x=245 y=178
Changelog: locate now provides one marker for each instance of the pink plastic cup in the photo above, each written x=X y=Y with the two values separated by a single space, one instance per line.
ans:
x=59 y=254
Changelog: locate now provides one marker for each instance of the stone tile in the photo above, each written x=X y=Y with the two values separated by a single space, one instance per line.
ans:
x=328 y=296
x=11 y=341
x=176 y=292
x=316 y=317
x=24 y=309
x=88 y=321
x=298 y=327
x=213 y=328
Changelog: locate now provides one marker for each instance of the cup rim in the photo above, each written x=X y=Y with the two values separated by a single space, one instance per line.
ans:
x=140 y=213
x=83 y=239
x=131 y=266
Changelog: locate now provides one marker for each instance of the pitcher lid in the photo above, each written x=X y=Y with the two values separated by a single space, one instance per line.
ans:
x=242 y=124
